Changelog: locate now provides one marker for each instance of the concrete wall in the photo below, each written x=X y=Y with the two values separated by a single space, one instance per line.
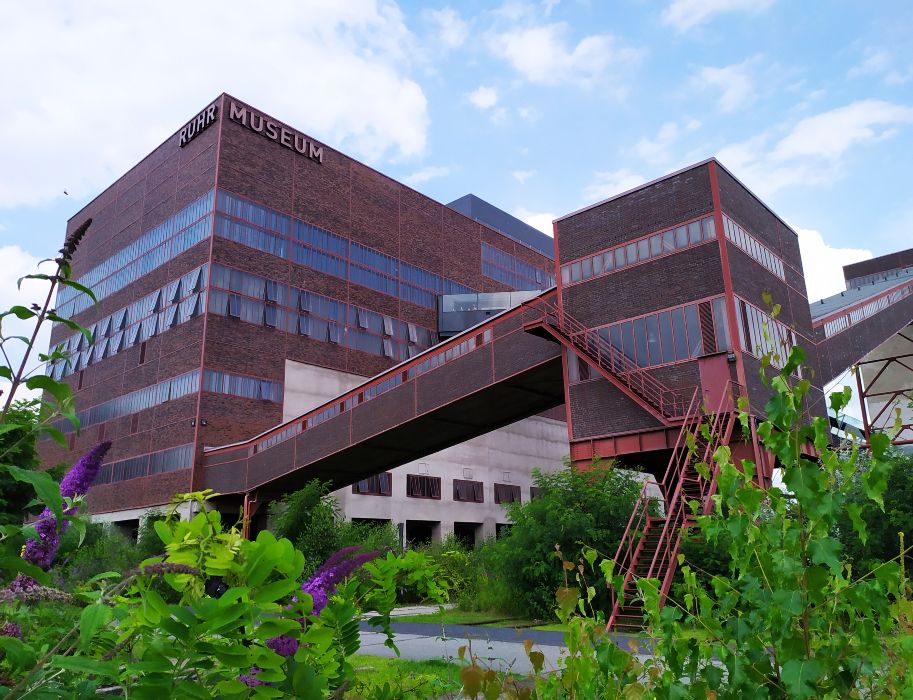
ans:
x=505 y=456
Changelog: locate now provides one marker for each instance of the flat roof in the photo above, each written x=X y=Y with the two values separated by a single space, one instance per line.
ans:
x=486 y=213
x=831 y=304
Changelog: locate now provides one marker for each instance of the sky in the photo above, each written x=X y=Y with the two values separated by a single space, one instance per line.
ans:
x=538 y=107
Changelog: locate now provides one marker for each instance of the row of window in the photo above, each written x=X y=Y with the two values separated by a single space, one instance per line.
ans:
x=510 y=270
x=640 y=250
x=761 y=335
x=174 y=388
x=240 y=385
x=175 y=303
x=883 y=276
x=263 y=302
x=753 y=247
x=391 y=382
x=424 y=486
x=841 y=323
x=152 y=250
x=169 y=460
x=264 y=229
x=136 y=401
x=682 y=333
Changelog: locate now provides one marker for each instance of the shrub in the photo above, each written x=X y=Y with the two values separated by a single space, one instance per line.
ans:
x=574 y=507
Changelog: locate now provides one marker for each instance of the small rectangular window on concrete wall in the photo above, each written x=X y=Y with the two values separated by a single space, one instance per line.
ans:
x=421 y=486
x=507 y=493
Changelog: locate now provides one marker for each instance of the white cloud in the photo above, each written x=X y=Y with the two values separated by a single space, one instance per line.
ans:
x=539 y=220
x=830 y=134
x=686 y=14
x=522 y=176
x=527 y=114
x=823 y=263
x=542 y=55
x=499 y=116
x=811 y=152
x=607 y=184
x=483 y=97
x=427 y=173
x=17 y=263
x=2 y=227
x=735 y=84
x=879 y=62
x=452 y=30
x=98 y=88
x=658 y=150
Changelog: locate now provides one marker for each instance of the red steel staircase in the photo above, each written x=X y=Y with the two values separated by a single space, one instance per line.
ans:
x=666 y=404
x=651 y=543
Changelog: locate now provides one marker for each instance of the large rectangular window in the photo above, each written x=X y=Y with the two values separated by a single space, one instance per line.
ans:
x=507 y=493
x=468 y=491
x=422 y=486
x=377 y=485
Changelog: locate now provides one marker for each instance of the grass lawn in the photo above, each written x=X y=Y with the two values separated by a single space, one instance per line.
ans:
x=459 y=617
x=483 y=619
x=410 y=680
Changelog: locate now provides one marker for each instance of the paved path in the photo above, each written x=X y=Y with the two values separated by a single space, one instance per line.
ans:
x=500 y=648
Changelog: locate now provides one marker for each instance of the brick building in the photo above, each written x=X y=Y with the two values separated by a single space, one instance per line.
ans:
x=273 y=311
x=246 y=273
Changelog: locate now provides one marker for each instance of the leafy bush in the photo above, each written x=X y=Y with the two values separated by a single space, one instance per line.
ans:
x=883 y=525
x=573 y=507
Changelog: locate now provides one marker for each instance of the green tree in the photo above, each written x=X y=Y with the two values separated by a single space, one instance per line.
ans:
x=883 y=542
x=574 y=507
x=18 y=447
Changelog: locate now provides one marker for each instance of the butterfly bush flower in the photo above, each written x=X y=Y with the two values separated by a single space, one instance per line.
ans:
x=11 y=629
x=77 y=482
x=320 y=587
x=324 y=581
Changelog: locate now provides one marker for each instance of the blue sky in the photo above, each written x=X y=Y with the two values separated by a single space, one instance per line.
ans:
x=538 y=107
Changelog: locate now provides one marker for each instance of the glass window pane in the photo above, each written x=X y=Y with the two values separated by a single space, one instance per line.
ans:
x=608 y=261
x=587 y=268
x=668 y=241
x=640 y=342
x=694 y=232
x=627 y=335
x=709 y=228
x=694 y=330
x=681 y=236
x=565 y=274
x=619 y=258
x=656 y=245
x=681 y=337
x=575 y=272
x=720 y=324
x=631 y=253
x=653 y=343
x=643 y=249
x=665 y=333
x=597 y=265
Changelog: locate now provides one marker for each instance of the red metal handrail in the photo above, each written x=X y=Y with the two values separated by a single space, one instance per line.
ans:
x=671 y=403
x=677 y=515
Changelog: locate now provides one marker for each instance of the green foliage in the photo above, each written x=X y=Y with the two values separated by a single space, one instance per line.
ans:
x=18 y=447
x=881 y=526
x=104 y=548
x=378 y=678
x=789 y=619
x=308 y=518
x=123 y=634
x=573 y=507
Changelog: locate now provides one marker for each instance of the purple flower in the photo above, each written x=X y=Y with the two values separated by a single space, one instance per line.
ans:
x=324 y=581
x=11 y=629
x=283 y=645
x=251 y=679
x=77 y=482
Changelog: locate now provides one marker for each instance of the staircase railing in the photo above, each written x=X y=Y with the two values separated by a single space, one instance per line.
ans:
x=677 y=508
x=670 y=403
